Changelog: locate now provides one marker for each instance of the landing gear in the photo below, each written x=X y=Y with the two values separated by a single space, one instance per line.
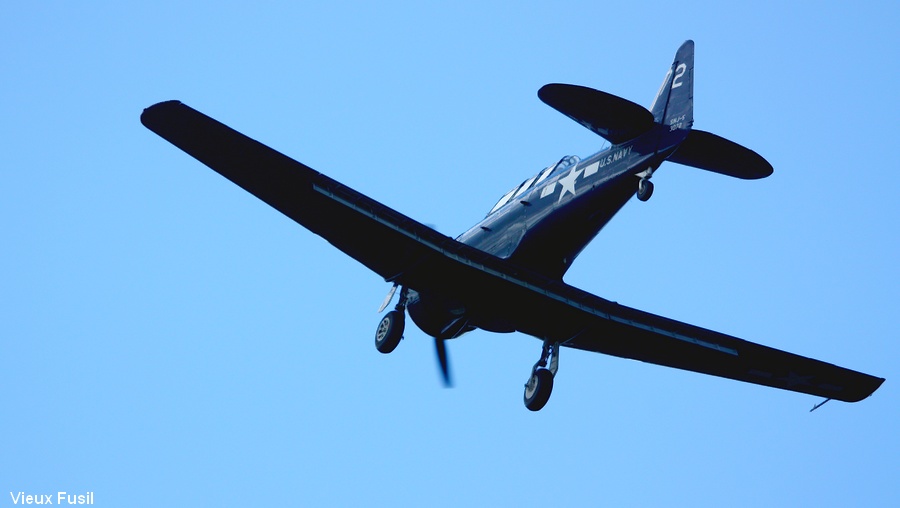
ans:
x=389 y=332
x=540 y=384
x=390 y=329
x=645 y=186
x=645 y=189
x=538 y=388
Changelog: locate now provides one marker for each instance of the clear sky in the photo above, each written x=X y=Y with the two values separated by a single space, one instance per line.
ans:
x=168 y=340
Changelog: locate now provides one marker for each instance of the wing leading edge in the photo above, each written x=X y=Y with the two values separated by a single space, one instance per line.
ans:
x=404 y=251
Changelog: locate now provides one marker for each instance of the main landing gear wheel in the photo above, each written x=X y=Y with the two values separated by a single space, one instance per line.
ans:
x=538 y=388
x=645 y=189
x=540 y=384
x=389 y=331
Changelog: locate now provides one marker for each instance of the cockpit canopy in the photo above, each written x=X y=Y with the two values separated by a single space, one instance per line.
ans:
x=553 y=169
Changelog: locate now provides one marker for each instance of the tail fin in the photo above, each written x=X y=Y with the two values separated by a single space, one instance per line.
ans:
x=674 y=107
x=619 y=120
x=674 y=103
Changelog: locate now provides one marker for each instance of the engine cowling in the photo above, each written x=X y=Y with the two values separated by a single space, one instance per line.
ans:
x=438 y=317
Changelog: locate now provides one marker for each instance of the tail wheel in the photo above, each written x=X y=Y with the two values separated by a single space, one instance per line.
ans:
x=538 y=388
x=389 y=332
x=645 y=189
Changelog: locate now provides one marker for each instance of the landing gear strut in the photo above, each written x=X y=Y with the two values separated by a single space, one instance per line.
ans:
x=390 y=329
x=540 y=384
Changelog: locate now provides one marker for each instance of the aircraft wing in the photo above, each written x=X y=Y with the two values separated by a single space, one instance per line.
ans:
x=385 y=241
x=621 y=331
x=404 y=251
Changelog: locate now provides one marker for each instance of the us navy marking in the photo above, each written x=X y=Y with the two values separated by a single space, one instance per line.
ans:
x=613 y=157
x=567 y=183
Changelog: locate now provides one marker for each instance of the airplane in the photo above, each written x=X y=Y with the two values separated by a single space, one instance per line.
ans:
x=505 y=273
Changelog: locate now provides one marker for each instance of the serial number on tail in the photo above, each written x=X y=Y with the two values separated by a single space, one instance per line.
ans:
x=677 y=123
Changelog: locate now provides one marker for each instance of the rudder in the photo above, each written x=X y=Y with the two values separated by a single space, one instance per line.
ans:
x=674 y=102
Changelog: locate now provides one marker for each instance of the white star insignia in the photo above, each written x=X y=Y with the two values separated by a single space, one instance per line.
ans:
x=568 y=183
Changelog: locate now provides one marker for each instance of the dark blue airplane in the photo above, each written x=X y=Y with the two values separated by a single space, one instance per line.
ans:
x=505 y=273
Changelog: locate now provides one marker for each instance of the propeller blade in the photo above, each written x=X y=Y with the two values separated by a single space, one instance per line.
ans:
x=442 y=360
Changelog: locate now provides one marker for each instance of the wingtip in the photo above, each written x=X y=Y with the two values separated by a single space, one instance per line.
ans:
x=149 y=111
x=865 y=392
x=763 y=170
x=878 y=384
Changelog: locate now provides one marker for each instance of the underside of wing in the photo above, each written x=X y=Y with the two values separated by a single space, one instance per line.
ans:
x=714 y=153
x=384 y=240
x=614 y=118
x=629 y=333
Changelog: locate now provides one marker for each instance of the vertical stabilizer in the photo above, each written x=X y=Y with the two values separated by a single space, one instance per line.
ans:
x=674 y=103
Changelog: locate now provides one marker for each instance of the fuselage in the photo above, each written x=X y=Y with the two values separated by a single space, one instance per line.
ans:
x=545 y=222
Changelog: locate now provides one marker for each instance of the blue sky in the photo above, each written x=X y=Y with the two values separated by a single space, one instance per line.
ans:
x=167 y=339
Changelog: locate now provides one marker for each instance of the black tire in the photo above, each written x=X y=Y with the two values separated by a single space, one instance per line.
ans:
x=389 y=332
x=537 y=391
x=645 y=189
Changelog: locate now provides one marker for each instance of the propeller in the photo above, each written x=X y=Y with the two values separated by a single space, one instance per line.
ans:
x=441 y=350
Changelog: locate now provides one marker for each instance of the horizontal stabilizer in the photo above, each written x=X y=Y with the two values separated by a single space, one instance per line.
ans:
x=614 y=118
x=707 y=151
